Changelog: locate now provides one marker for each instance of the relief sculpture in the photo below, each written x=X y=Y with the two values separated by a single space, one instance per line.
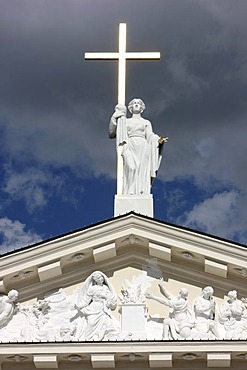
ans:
x=94 y=313
x=179 y=323
x=96 y=300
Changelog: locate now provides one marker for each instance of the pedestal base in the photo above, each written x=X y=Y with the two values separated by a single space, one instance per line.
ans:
x=138 y=203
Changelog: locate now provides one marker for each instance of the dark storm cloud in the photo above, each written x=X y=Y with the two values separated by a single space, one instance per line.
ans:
x=55 y=106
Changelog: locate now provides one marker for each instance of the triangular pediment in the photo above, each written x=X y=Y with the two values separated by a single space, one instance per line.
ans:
x=127 y=249
x=130 y=240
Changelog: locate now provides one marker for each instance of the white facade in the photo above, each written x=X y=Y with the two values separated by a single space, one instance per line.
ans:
x=127 y=249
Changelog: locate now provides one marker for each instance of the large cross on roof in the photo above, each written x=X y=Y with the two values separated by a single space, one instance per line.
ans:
x=122 y=55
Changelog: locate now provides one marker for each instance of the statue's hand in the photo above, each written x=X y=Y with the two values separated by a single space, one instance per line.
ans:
x=161 y=281
x=79 y=306
x=118 y=114
x=163 y=139
x=149 y=295
x=212 y=304
x=120 y=111
x=109 y=304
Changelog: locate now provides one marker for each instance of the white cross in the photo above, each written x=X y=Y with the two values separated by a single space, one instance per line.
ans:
x=122 y=56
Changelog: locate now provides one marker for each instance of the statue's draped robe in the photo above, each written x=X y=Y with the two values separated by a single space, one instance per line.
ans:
x=205 y=311
x=233 y=319
x=6 y=311
x=141 y=153
x=96 y=302
x=179 y=317
x=98 y=315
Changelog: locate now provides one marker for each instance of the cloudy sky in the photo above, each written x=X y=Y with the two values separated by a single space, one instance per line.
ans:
x=57 y=165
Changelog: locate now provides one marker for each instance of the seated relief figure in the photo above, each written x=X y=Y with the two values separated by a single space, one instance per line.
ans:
x=179 y=324
x=141 y=148
x=205 y=315
x=7 y=307
x=233 y=318
x=95 y=302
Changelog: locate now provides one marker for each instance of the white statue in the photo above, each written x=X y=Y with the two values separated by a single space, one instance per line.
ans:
x=38 y=316
x=95 y=302
x=179 y=324
x=232 y=316
x=7 y=307
x=49 y=318
x=205 y=315
x=141 y=150
x=12 y=320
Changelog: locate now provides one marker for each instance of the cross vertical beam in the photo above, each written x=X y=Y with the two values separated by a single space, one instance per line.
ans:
x=122 y=63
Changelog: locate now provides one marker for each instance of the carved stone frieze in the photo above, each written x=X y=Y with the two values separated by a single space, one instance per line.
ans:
x=87 y=314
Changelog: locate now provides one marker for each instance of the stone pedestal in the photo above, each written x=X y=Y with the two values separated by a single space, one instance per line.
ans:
x=138 y=203
x=133 y=321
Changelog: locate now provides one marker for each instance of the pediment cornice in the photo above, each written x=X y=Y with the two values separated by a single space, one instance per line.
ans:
x=120 y=241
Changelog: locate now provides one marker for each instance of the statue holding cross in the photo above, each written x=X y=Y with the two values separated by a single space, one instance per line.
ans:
x=139 y=150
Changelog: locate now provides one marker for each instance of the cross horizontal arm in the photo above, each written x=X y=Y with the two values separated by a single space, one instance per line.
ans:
x=143 y=55
x=128 y=55
x=101 y=55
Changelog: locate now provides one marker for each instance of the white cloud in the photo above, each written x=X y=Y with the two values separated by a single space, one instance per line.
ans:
x=54 y=111
x=220 y=215
x=36 y=186
x=29 y=186
x=190 y=83
x=14 y=235
x=205 y=147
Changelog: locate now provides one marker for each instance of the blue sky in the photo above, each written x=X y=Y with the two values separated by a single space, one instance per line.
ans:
x=57 y=163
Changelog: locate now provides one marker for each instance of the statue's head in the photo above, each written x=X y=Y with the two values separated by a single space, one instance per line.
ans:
x=183 y=293
x=13 y=295
x=65 y=329
x=136 y=101
x=208 y=291
x=98 y=278
x=232 y=295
